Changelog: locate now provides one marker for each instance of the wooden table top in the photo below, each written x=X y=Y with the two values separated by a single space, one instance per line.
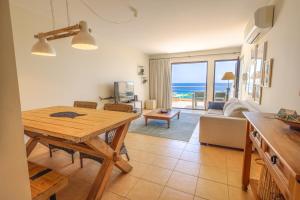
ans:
x=158 y=114
x=78 y=129
x=283 y=140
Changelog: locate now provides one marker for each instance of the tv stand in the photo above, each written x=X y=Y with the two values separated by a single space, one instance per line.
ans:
x=134 y=104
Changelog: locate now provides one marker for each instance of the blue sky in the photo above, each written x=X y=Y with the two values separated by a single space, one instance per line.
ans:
x=196 y=72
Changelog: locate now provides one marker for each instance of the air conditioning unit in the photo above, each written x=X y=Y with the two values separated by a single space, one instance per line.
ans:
x=260 y=23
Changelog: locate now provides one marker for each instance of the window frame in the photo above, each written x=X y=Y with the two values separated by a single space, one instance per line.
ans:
x=236 y=74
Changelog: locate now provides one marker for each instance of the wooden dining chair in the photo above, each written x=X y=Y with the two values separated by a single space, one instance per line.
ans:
x=109 y=136
x=85 y=104
x=78 y=104
x=118 y=107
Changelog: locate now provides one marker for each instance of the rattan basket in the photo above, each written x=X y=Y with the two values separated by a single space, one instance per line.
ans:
x=267 y=188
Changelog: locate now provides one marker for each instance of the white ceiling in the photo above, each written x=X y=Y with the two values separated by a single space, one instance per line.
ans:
x=163 y=26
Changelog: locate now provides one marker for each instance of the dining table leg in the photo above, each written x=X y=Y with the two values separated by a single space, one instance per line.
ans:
x=101 y=180
x=30 y=145
x=123 y=165
x=113 y=158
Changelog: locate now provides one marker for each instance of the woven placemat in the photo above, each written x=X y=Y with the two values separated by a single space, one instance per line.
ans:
x=66 y=114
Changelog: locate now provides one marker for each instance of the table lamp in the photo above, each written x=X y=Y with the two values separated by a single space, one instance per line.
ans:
x=228 y=76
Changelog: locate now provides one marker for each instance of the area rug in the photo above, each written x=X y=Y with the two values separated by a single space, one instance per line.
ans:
x=181 y=129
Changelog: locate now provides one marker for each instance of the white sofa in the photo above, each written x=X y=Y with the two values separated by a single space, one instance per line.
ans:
x=225 y=127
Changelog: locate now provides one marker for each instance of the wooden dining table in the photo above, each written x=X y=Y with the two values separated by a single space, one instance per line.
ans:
x=81 y=134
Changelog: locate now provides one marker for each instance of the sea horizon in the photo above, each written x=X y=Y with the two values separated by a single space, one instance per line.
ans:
x=186 y=90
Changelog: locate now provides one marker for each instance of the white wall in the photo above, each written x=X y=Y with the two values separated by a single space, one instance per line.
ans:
x=284 y=47
x=73 y=74
x=14 y=178
x=210 y=56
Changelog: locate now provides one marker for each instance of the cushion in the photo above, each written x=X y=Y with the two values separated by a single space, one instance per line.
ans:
x=230 y=101
x=214 y=112
x=216 y=105
x=235 y=110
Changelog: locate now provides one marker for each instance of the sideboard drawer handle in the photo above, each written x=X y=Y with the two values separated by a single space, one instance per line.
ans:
x=254 y=133
x=274 y=159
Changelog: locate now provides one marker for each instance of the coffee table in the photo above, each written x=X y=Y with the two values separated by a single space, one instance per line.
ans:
x=156 y=114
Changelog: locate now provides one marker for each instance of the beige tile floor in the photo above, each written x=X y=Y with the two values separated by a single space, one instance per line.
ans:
x=163 y=169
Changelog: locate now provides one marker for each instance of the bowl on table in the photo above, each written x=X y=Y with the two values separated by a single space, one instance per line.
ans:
x=164 y=111
x=295 y=125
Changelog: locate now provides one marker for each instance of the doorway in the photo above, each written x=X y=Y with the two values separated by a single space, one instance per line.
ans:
x=189 y=85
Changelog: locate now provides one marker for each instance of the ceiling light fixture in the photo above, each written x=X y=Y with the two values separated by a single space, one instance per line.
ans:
x=82 y=38
x=43 y=48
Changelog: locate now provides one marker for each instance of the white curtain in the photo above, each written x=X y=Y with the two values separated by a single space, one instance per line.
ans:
x=160 y=82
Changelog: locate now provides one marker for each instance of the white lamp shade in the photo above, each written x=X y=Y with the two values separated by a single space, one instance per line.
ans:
x=84 y=40
x=43 y=48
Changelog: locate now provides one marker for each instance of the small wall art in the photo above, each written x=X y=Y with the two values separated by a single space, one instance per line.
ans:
x=267 y=73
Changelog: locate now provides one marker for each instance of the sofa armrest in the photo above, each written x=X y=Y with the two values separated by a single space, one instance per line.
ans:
x=221 y=118
x=223 y=131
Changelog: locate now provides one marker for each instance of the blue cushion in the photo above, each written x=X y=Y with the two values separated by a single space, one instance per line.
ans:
x=216 y=105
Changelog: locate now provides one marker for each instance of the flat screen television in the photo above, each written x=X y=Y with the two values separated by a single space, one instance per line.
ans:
x=124 y=91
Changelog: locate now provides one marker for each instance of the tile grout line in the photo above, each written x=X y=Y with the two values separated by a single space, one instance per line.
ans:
x=126 y=196
x=167 y=182
x=227 y=175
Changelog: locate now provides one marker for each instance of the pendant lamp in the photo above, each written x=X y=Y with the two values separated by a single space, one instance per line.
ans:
x=43 y=48
x=84 y=40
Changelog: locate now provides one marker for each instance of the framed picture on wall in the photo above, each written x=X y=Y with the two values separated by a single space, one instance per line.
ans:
x=261 y=55
x=244 y=75
x=251 y=72
x=251 y=78
x=253 y=52
x=260 y=61
x=267 y=73
x=257 y=94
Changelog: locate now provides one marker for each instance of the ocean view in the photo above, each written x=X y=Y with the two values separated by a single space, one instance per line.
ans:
x=185 y=90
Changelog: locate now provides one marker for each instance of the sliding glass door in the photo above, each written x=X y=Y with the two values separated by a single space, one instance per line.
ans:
x=189 y=85
x=225 y=79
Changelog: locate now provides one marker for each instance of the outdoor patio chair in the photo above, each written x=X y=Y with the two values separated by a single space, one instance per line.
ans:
x=109 y=136
x=200 y=96
x=220 y=96
x=79 y=104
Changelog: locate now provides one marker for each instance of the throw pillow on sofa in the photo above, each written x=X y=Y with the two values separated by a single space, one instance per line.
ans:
x=216 y=105
x=230 y=101
x=235 y=110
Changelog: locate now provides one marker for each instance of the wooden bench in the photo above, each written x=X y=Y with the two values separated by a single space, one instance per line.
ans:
x=44 y=182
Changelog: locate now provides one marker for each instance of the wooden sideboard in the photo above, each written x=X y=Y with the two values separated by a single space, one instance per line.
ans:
x=279 y=148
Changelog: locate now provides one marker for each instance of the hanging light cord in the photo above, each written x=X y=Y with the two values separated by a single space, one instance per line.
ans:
x=68 y=14
x=131 y=8
x=52 y=13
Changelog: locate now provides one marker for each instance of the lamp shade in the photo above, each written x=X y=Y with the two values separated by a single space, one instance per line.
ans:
x=84 y=40
x=43 y=48
x=228 y=76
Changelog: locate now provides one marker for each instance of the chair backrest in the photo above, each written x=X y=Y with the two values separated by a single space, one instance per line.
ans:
x=85 y=104
x=220 y=94
x=199 y=94
x=118 y=107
